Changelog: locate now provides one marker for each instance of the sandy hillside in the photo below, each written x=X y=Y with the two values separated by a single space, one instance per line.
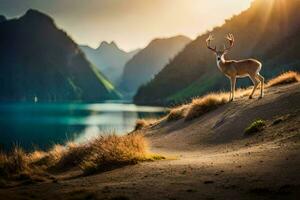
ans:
x=209 y=158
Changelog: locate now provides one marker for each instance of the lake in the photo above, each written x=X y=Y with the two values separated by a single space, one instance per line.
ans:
x=39 y=126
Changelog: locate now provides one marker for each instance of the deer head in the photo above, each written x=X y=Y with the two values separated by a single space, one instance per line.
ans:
x=220 y=53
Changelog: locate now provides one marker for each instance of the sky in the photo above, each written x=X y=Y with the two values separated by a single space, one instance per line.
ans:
x=130 y=23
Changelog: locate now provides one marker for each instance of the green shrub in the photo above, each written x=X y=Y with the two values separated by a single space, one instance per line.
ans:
x=256 y=126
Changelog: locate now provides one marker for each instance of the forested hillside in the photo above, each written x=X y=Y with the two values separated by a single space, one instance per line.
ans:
x=40 y=62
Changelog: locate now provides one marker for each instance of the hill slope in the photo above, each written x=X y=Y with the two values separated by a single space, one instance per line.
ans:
x=40 y=62
x=149 y=61
x=109 y=59
x=223 y=125
x=194 y=72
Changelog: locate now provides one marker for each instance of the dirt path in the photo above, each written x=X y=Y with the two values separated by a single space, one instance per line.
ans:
x=210 y=162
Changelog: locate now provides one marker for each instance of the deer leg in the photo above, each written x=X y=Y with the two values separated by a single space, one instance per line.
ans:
x=255 y=82
x=233 y=83
x=230 y=96
x=262 y=80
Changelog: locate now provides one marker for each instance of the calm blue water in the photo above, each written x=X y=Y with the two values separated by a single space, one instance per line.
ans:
x=42 y=125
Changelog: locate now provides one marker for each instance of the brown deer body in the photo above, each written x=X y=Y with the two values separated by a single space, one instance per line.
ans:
x=234 y=69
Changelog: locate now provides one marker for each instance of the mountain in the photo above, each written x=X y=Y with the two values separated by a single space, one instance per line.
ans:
x=40 y=62
x=109 y=58
x=268 y=31
x=149 y=61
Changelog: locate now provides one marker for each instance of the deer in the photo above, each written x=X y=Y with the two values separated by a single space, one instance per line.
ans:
x=234 y=69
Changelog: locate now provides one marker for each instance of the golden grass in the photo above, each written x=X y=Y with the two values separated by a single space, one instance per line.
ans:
x=200 y=106
x=72 y=156
x=36 y=156
x=177 y=113
x=50 y=158
x=143 y=123
x=110 y=151
x=285 y=78
x=103 y=153
x=15 y=163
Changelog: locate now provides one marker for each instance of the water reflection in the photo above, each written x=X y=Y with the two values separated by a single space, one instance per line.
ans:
x=42 y=125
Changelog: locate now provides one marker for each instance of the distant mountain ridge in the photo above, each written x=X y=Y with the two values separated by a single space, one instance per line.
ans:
x=268 y=31
x=40 y=62
x=109 y=59
x=149 y=61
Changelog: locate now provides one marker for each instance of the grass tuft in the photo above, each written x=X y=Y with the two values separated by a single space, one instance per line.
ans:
x=143 y=123
x=200 y=106
x=110 y=151
x=72 y=156
x=254 y=127
x=14 y=163
x=285 y=78
x=177 y=113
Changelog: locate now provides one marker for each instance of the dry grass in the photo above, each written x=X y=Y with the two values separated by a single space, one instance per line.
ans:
x=72 y=156
x=36 y=156
x=204 y=104
x=200 y=106
x=103 y=153
x=49 y=159
x=143 y=123
x=14 y=164
x=177 y=113
x=110 y=151
x=285 y=78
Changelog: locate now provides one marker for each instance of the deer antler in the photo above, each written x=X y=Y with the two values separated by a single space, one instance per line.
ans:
x=230 y=38
x=208 y=40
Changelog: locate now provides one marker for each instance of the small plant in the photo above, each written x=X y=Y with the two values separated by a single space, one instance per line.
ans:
x=256 y=126
x=154 y=157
